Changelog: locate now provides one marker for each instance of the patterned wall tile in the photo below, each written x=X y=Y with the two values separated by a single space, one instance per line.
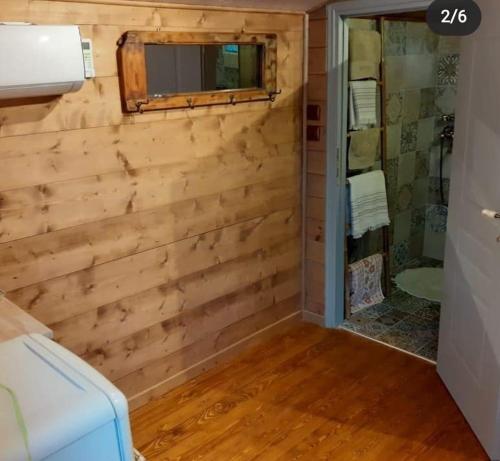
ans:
x=402 y=226
x=421 y=72
x=420 y=192
x=391 y=174
x=435 y=161
x=436 y=218
x=416 y=245
x=446 y=99
x=447 y=69
x=395 y=38
x=406 y=169
x=428 y=103
x=434 y=190
x=449 y=45
x=411 y=105
x=422 y=164
x=434 y=244
x=420 y=39
x=409 y=137
x=425 y=133
x=394 y=141
x=394 y=108
x=438 y=128
x=418 y=220
x=405 y=197
x=400 y=256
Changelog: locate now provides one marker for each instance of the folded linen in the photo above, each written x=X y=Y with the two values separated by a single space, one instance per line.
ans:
x=362 y=104
x=365 y=282
x=368 y=208
x=363 y=148
x=365 y=54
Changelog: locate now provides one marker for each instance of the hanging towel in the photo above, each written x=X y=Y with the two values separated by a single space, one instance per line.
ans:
x=363 y=104
x=363 y=148
x=365 y=54
x=368 y=203
x=365 y=285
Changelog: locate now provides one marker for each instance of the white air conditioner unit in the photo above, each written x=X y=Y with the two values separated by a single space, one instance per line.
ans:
x=40 y=60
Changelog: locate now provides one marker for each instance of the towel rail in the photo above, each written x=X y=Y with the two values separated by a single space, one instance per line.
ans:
x=386 y=253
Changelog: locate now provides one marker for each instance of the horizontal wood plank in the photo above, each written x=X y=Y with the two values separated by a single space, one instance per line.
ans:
x=317 y=61
x=98 y=104
x=47 y=208
x=211 y=351
x=27 y=261
x=316 y=185
x=161 y=303
x=316 y=162
x=317 y=33
x=47 y=157
x=51 y=11
x=67 y=296
x=115 y=225
x=125 y=356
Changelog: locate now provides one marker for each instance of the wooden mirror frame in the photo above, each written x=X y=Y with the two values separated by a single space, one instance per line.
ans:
x=133 y=72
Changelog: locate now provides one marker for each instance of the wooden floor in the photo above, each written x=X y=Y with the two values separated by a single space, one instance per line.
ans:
x=311 y=395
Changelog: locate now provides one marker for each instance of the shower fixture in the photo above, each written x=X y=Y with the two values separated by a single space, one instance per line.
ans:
x=447 y=134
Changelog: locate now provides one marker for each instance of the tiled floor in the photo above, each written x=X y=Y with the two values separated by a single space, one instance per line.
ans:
x=403 y=321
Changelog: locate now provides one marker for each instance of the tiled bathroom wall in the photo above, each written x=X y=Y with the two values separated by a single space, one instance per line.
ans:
x=421 y=74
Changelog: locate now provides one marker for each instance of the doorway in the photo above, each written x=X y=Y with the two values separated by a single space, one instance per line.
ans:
x=416 y=90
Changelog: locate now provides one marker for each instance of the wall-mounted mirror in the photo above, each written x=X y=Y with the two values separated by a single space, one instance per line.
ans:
x=164 y=70
x=173 y=69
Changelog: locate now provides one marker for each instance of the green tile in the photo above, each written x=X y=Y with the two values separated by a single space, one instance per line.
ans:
x=406 y=169
x=394 y=141
x=425 y=133
x=395 y=38
x=428 y=103
x=411 y=105
x=402 y=226
x=420 y=192
x=394 y=108
x=420 y=39
x=422 y=164
x=409 y=137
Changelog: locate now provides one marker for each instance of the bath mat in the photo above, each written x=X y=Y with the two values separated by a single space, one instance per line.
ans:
x=365 y=286
x=424 y=282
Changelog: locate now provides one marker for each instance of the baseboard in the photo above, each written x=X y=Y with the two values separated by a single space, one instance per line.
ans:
x=312 y=317
x=224 y=355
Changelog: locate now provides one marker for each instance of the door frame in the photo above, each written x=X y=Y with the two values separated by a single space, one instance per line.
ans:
x=336 y=140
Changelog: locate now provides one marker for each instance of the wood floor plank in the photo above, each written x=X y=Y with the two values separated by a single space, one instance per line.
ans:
x=343 y=398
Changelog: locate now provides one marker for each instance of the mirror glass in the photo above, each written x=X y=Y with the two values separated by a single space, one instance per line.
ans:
x=180 y=68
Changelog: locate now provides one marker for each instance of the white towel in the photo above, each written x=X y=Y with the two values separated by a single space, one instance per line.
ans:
x=368 y=203
x=362 y=104
x=365 y=287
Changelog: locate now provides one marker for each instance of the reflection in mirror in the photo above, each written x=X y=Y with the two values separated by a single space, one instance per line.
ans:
x=173 y=69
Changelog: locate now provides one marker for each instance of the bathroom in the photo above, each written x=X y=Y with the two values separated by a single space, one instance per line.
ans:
x=418 y=84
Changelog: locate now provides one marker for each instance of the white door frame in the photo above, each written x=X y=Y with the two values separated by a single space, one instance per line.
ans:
x=337 y=73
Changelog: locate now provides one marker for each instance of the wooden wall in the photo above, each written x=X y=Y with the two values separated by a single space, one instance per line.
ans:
x=316 y=171
x=154 y=243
